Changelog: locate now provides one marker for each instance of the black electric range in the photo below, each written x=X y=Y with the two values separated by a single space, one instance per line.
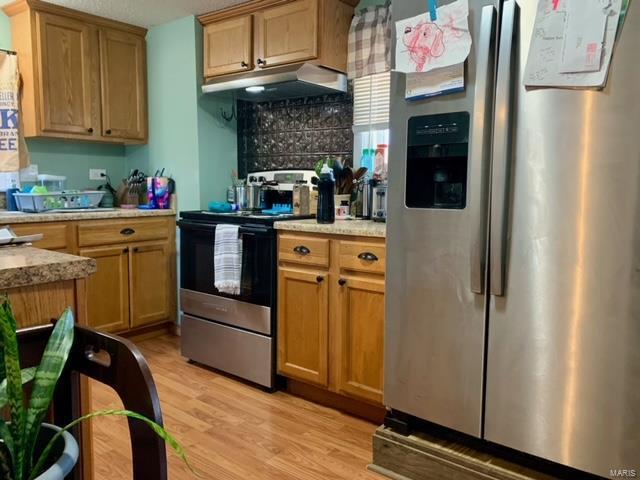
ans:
x=232 y=333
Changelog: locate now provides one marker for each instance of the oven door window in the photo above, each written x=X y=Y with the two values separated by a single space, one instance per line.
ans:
x=196 y=263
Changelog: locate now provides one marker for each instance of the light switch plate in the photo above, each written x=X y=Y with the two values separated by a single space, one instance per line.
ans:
x=97 y=173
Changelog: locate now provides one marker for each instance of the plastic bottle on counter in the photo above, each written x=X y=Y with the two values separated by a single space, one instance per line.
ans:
x=326 y=187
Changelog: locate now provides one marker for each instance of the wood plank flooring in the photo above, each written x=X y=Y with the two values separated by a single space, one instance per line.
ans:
x=232 y=431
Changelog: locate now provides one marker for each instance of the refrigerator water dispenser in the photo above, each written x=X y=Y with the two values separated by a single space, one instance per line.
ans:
x=437 y=161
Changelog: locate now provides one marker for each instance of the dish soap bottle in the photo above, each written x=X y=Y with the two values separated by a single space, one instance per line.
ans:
x=326 y=186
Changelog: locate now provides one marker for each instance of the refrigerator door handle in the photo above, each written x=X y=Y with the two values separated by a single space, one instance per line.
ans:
x=501 y=149
x=480 y=149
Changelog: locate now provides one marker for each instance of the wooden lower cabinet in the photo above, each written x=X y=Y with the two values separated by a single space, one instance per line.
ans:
x=331 y=319
x=149 y=280
x=134 y=287
x=108 y=288
x=303 y=300
x=361 y=311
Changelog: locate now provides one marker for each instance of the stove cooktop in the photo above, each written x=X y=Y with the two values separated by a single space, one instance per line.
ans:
x=239 y=217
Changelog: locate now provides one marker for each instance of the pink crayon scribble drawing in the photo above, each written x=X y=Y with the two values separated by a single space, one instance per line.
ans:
x=424 y=42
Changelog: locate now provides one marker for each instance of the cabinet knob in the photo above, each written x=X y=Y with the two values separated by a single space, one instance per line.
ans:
x=301 y=250
x=90 y=129
x=135 y=249
x=368 y=256
x=125 y=250
x=244 y=64
x=342 y=282
x=319 y=279
x=261 y=62
x=108 y=131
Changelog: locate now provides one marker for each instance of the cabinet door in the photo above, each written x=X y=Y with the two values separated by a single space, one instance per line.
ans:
x=150 y=272
x=67 y=103
x=123 y=84
x=361 y=304
x=288 y=33
x=108 y=288
x=303 y=301
x=228 y=46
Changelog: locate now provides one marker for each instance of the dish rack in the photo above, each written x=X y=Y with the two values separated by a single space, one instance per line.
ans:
x=71 y=199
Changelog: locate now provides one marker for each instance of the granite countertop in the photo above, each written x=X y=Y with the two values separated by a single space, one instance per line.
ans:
x=7 y=217
x=22 y=266
x=361 y=228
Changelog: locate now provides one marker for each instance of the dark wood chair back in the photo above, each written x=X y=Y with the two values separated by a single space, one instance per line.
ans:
x=113 y=361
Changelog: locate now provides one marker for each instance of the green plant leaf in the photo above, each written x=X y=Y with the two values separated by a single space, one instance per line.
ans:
x=27 y=375
x=6 y=437
x=53 y=361
x=5 y=462
x=14 y=385
x=161 y=432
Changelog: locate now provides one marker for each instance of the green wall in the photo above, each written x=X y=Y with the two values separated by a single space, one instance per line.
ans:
x=187 y=136
x=72 y=159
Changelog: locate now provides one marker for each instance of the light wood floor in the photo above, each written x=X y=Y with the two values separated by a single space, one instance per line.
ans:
x=232 y=431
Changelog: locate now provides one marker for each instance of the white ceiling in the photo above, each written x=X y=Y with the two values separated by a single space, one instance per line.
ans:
x=146 y=13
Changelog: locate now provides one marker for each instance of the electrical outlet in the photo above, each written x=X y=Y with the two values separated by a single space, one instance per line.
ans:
x=97 y=173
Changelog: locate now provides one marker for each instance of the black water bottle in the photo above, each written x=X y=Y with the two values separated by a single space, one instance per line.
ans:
x=326 y=186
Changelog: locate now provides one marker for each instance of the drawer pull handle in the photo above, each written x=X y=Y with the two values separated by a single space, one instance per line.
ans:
x=127 y=231
x=368 y=257
x=342 y=282
x=302 y=250
x=319 y=278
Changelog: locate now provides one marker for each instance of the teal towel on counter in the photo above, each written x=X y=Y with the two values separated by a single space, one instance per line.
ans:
x=219 y=207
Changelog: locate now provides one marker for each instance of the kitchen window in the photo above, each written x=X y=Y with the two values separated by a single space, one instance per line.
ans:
x=371 y=121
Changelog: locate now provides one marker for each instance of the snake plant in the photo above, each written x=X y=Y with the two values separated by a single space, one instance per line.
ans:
x=18 y=458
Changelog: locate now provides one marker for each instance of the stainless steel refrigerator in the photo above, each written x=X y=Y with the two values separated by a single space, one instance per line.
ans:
x=513 y=269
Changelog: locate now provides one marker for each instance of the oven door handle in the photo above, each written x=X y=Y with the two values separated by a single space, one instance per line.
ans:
x=209 y=227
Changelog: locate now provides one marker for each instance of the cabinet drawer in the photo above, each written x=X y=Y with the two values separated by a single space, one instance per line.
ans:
x=121 y=231
x=55 y=236
x=362 y=257
x=304 y=250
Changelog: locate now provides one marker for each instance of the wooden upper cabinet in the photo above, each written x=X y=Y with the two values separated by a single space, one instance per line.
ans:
x=287 y=33
x=228 y=46
x=269 y=33
x=123 y=80
x=84 y=77
x=150 y=283
x=65 y=88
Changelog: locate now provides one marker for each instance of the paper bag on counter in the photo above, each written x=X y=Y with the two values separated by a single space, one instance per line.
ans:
x=13 y=148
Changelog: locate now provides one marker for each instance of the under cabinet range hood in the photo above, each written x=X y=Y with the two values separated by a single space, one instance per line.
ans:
x=275 y=83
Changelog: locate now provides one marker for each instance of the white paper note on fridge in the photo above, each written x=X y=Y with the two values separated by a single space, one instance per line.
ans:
x=584 y=29
x=546 y=59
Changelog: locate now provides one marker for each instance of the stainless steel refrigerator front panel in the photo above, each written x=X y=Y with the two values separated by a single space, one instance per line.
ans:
x=563 y=372
x=434 y=333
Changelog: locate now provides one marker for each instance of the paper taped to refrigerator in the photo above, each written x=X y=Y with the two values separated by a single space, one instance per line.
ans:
x=424 y=45
x=566 y=50
x=585 y=24
x=438 y=82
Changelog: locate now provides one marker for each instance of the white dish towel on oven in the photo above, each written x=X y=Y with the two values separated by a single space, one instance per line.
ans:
x=227 y=259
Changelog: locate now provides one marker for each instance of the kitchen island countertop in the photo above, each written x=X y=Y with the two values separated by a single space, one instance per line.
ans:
x=12 y=218
x=22 y=266
x=360 y=228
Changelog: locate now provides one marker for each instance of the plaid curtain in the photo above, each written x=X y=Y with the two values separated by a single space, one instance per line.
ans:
x=370 y=41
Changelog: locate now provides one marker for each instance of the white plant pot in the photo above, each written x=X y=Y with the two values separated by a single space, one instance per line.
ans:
x=67 y=459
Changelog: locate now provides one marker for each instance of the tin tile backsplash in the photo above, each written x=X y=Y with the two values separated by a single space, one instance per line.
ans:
x=294 y=133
